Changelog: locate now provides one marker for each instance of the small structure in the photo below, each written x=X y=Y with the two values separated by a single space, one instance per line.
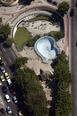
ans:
x=45 y=75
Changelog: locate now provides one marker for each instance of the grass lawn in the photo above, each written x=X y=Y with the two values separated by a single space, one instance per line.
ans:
x=21 y=37
x=7 y=0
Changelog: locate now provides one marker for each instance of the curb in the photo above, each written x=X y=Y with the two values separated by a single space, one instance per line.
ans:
x=15 y=50
x=66 y=32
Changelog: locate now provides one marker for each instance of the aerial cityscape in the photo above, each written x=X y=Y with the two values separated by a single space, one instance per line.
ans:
x=38 y=58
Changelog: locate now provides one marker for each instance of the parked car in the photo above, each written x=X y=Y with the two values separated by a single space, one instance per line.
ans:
x=1 y=62
x=2 y=78
x=6 y=75
x=9 y=82
x=3 y=111
x=4 y=89
x=76 y=44
x=8 y=109
x=20 y=113
x=0 y=83
x=49 y=1
x=55 y=3
x=72 y=12
x=12 y=91
x=15 y=99
x=2 y=69
x=7 y=98
x=0 y=4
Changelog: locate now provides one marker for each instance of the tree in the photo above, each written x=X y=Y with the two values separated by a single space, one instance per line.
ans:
x=63 y=7
x=9 y=41
x=63 y=105
x=20 y=61
x=33 y=40
x=33 y=96
x=5 y=30
x=0 y=19
x=63 y=78
x=62 y=74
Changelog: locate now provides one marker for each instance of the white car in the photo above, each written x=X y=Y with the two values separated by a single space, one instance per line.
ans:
x=0 y=83
x=9 y=111
x=7 y=98
x=2 y=69
x=15 y=99
x=9 y=82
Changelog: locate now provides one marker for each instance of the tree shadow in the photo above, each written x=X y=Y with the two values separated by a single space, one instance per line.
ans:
x=6 y=45
x=12 y=68
x=52 y=86
x=25 y=2
x=2 y=40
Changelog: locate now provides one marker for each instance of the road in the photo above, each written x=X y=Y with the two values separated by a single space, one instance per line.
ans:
x=74 y=57
x=8 y=57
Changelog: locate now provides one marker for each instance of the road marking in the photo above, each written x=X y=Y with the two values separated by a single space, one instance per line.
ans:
x=4 y=49
x=9 y=60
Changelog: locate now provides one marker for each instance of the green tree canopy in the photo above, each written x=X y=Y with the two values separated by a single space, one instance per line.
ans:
x=63 y=105
x=63 y=78
x=63 y=7
x=5 y=30
x=20 y=61
x=34 y=99
x=62 y=73
x=9 y=41
x=0 y=19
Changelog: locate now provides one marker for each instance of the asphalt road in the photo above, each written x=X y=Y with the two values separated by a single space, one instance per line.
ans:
x=8 y=57
x=74 y=57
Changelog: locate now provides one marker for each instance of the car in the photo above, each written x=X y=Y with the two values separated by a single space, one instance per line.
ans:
x=76 y=44
x=72 y=12
x=8 y=109
x=20 y=113
x=9 y=82
x=2 y=78
x=1 y=62
x=3 y=111
x=12 y=91
x=6 y=75
x=55 y=3
x=4 y=89
x=7 y=98
x=15 y=99
x=0 y=4
x=2 y=69
x=0 y=83
x=49 y=1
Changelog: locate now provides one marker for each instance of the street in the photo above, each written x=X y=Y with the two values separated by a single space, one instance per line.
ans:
x=8 y=57
x=74 y=57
